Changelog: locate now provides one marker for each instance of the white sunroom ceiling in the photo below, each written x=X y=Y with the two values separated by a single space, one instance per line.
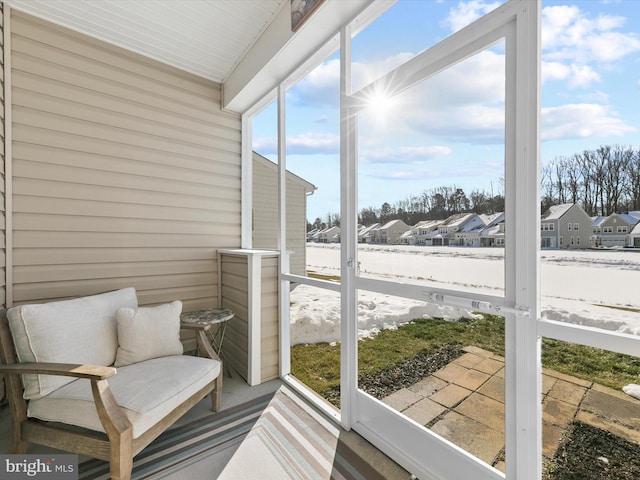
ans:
x=205 y=37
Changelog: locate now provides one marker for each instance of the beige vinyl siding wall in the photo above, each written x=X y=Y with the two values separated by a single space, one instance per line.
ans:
x=237 y=296
x=269 y=358
x=265 y=212
x=3 y=270
x=125 y=172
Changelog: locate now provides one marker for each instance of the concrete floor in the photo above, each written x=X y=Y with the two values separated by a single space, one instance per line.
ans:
x=235 y=391
x=463 y=402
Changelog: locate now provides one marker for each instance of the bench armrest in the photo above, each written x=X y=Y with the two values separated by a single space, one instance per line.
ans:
x=92 y=372
x=113 y=419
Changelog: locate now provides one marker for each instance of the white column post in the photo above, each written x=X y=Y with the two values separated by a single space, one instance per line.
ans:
x=348 y=239
x=283 y=300
x=522 y=276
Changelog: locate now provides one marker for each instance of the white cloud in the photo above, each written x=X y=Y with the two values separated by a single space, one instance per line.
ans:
x=583 y=76
x=569 y=34
x=554 y=71
x=265 y=146
x=574 y=74
x=308 y=143
x=365 y=73
x=576 y=45
x=303 y=144
x=405 y=154
x=466 y=13
x=444 y=168
x=321 y=86
x=581 y=121
x=463 y=103
x=466 y=103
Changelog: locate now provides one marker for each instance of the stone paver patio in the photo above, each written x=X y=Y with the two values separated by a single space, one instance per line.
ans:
x=464 y=403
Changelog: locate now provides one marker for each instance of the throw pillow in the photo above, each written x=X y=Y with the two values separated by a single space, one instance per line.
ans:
x=148 y=332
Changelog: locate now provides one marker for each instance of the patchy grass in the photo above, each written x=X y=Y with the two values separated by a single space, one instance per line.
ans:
x=624 y=309
x=318 y=365
x=607 y=368
x=321 y=276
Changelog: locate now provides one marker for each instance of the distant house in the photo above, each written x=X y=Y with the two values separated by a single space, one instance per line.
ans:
x=613 y=231
x=366 y=234
x=391 y=232
x=633 y=240
x=596 y=229
x=417 y=235
x=328 y=235
x=492 y=235
x=311 y=234
x=446 y=232
x=565 y=226
x=265 y=211
x=468 y=232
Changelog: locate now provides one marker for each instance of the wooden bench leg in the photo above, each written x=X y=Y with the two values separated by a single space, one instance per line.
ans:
x=118 y=429
x=18 y=445
x=121 y=458
x=216 y=394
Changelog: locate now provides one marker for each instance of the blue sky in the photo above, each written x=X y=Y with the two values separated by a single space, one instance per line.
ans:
x=449 y=129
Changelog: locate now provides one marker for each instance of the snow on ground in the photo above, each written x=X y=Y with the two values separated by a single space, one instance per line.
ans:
x=587 y=287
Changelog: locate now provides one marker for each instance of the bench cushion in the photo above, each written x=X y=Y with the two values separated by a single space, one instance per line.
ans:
x=147 y=391
x=81 y=331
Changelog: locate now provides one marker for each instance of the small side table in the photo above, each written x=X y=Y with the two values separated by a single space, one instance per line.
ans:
x=212 y=316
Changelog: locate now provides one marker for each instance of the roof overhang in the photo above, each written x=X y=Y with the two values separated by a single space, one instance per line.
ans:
x=249 y=47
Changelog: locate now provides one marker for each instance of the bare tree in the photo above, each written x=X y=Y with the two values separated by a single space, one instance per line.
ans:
x=368 y=216
x=547 y=186
x=614 y=162
x=633 y=181
x=478 y=201
x=573 y=179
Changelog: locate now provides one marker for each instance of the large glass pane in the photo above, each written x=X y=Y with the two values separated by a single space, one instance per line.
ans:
x=440 y=366
x=315 y=340
x=265 y=179
x=431 y=180
x=312 y=204
x=590 y=413
x=406 y=29
x=313 y=163
x=590 y=166
x=588 y=286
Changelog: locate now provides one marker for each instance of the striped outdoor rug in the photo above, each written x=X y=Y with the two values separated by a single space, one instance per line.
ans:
x=276 y=437
x=188 y=443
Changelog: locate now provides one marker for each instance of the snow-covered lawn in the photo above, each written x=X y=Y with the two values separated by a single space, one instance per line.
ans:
x=582 y=287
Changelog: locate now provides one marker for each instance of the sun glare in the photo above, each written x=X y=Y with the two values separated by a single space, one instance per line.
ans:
x=380 y=106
